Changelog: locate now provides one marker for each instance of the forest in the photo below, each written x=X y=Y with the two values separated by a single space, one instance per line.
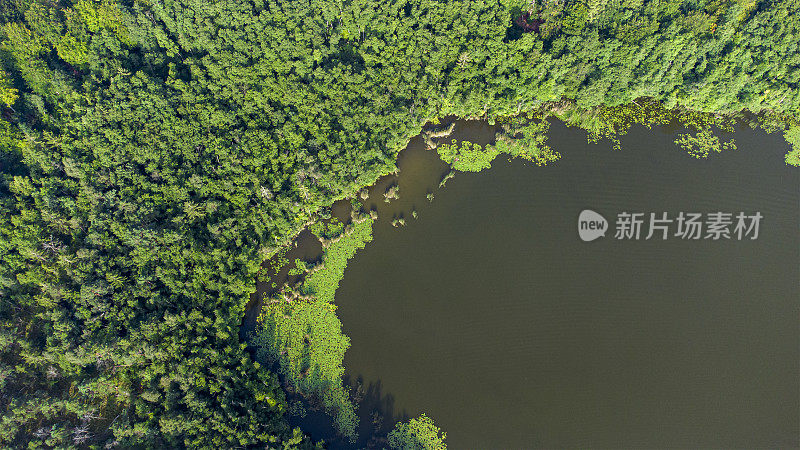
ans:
x=155 y=153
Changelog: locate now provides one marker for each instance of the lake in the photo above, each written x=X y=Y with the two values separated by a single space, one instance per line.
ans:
x=489 y=314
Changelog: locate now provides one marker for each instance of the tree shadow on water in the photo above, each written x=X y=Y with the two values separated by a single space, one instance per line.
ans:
x=376 y=418
x=376 y=412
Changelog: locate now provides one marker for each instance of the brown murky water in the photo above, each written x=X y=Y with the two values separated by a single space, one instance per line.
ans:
x=490 y=315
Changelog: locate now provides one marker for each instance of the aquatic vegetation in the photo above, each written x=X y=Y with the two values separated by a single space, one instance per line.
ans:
x=522 y=136
x=525 y=136
x=700 y=144
x=322 y=284
x=448 y=176
x=466 y=156
x=326 y=230
x=612 y=122
x=300 y=267
x=392 y=193
x=417 y=434
x=153 y=154
x=793 y=137
x=271 y=267
x=300 y=331
x=432 y=136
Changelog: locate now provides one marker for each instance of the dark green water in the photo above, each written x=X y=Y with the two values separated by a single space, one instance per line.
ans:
x=490 y=315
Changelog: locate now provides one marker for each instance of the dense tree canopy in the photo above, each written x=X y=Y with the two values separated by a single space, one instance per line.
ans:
x=153 y=153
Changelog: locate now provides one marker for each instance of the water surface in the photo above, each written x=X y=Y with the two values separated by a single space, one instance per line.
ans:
x=490 y=315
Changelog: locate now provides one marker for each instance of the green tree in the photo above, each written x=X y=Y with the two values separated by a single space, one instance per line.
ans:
x=8 y=94
x=158 y=153
x=417 y=434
